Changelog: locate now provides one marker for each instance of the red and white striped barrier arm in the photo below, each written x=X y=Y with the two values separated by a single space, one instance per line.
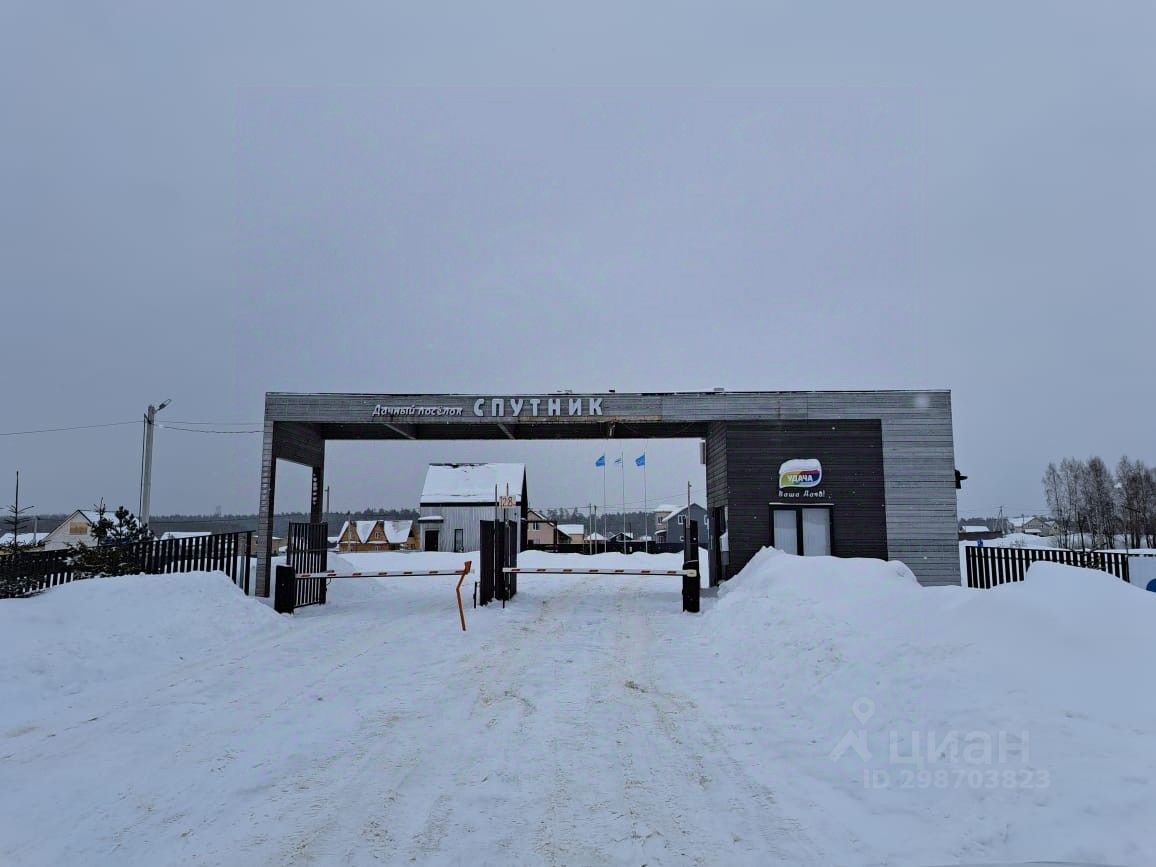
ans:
x=384 y=574
x=520 y=571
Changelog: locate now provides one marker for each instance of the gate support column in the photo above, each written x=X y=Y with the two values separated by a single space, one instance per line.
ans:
x=288 y=441
x=317 y=496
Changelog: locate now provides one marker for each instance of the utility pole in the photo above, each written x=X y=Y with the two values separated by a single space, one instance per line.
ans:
x=146 y=483
x=327 y=501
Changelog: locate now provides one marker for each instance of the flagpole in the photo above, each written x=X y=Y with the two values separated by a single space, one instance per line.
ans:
x=622 y=463
x=645 y=512
x=604 y=527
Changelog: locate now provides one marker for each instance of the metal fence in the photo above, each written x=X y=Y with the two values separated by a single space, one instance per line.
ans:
x=990 y=566
x=291 y=592
x=31 y=572
x=308 y=547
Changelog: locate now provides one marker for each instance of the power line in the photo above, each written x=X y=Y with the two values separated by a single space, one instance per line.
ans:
x=221 y=423
x=207 y=431
x=16 y=433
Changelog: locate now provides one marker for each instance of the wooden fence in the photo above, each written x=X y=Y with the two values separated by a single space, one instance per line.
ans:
x=990 y=566
x=31 y=572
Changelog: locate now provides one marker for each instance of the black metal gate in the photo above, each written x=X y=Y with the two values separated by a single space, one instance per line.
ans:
x=308 y=547
x=499 y=549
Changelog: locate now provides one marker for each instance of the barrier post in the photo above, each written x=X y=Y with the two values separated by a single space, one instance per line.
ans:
x=691 y=586
x=462 y=611
x=285 y=590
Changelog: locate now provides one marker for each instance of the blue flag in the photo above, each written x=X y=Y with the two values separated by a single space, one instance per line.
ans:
x=618 y=460
x=601 y=462
x=640 y=461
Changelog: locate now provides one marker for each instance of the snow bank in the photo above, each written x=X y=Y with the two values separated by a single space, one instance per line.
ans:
x=872 y=686
x=390 y=561
x=88 y=635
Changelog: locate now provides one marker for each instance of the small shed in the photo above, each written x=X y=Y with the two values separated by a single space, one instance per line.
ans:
x=976 y=532
x=456 y=498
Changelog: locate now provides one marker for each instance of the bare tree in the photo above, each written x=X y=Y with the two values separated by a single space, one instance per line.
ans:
x=1132 y=480
x=1100 y=503
x=1069 y=516
x=1149 y=507
x=1053 y=493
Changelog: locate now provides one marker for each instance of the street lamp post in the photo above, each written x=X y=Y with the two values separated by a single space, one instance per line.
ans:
x=146 y=480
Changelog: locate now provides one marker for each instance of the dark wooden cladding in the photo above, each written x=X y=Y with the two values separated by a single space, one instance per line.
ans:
x=230 y=553
x=851 y=453
x=990 y=566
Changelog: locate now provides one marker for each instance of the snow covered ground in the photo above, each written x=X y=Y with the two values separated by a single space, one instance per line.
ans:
x=170 y=720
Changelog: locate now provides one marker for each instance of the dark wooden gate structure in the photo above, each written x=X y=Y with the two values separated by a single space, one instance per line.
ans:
x=499 y=549
x=308 y=547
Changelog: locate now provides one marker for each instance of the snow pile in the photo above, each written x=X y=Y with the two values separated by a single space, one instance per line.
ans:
x=398 y=561
x=942 y=723
x=83 y=637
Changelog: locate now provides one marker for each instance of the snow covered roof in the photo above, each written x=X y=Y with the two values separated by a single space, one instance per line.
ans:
x=397 y=532
x=183 y=534
x=596 y=537
x=92 y=515
x=976 y=528
x=23 y=538
x=472 y=483
x=666 y=507
x=571 y=529
x=678 y=510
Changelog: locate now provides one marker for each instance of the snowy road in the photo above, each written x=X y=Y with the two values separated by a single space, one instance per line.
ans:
x=169 y=720
x=372 y=732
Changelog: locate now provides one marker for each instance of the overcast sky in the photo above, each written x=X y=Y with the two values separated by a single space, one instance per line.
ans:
x=205 y=202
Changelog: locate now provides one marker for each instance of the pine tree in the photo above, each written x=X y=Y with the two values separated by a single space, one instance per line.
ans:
x=115 y=552
x=14 y=525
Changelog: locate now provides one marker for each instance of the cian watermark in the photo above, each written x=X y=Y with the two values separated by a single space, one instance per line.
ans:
x=955 y=758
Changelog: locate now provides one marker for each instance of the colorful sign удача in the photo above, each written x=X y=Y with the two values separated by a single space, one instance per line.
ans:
x=800 y=473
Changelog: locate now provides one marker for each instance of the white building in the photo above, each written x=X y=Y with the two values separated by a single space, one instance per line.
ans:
x=575 y=532
x=456 y=498
x=75 y=530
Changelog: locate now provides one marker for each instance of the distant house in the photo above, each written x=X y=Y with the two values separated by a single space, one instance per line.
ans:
x=377 y=535
x=540 y=530
x=575 y=533
x=1035 y=526
x=183 y=534
x=661 y=512
x=974 y=532
x=672 y=528
x=76 y=529
x=456 y=498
